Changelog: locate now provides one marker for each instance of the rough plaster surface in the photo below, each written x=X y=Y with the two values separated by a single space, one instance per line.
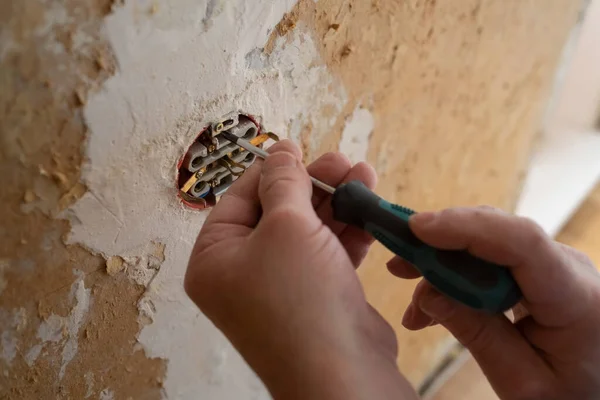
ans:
x=355 y=136
x=435 y=72
x=180 y=67
x=61 y=317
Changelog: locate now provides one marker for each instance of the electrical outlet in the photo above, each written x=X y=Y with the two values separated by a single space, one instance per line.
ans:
x=212 y=163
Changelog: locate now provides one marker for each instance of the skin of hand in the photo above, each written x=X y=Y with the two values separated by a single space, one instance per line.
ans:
x=276 y=274
x=554 y=352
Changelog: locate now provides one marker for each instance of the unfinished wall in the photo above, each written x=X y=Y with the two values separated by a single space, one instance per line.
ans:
x=99 y=99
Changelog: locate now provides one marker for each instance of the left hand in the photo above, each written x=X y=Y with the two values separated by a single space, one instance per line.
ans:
x=275 y=273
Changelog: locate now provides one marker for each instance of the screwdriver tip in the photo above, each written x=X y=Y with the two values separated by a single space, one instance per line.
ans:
x=229 y=136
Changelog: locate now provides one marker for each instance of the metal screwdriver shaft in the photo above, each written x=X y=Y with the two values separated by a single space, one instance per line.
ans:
x=456 y=273
x=263 y=154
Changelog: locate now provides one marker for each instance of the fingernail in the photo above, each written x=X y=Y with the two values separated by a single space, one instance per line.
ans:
x=280 y=159
x=408 y=316
x=424 y=218
x=288 y=146
x=436 y=305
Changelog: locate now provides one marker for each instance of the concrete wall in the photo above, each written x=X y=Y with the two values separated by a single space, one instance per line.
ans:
x=99 y=98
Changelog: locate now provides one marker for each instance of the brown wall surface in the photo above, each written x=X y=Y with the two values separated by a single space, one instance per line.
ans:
x=457 y=89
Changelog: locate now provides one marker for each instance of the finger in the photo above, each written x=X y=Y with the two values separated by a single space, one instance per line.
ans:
x=235 y=215
x=581 y=257
x=402 y=268
x=540 y=267
x=361 y=172
x=357 y=243
x=286 y=145
x=335 y=169
x=330 y=168
x=414 y=318
x=494 y=342
x=284 y=182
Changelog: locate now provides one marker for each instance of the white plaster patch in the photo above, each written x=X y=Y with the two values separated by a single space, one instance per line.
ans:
x=75 y=319
x=89 y=383
x=356 y=134
x=20 y=319
x=12 y=323
x=55 y=15
x=186 y=64
x=54 y=328
x=51 y=329
x=9 y=346
x=106 y=394
x=33 y=354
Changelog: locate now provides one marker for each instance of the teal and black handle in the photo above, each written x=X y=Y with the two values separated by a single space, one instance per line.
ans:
x=475 y=282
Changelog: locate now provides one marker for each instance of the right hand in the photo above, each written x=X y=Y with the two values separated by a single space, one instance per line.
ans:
x=276 y=274
x=552 y=353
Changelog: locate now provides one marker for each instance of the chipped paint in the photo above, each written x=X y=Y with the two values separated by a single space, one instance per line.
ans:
x=8 y=341
x=54 y=53
x=51 y=329
x=63 y=331
x=356 y=134
x=74 y=321
x=33 y=354
x=12 y=323
x=106 y=394
x=89 y=384
x=163 y=95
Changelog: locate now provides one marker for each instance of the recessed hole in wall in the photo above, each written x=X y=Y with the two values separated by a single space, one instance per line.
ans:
x=250 y=133
x=211 y=163
x=196 y=162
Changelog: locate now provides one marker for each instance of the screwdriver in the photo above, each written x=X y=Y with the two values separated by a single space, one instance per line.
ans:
x=458 y=274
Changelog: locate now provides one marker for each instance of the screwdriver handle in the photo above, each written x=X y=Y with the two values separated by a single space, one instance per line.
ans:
x=458 y=274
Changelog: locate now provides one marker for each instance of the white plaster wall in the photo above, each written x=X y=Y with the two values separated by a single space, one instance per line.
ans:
x=356 y=134
x=181 y=64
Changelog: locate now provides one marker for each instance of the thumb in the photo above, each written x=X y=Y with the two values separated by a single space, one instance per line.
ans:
x=511 y=365
x=284 y=182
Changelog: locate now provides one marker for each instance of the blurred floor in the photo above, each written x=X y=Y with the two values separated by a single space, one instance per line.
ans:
x=468 y=383
x=583 y=233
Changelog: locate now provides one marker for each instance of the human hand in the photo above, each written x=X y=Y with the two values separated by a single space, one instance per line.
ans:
x=276 y=274
x=554 y=352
